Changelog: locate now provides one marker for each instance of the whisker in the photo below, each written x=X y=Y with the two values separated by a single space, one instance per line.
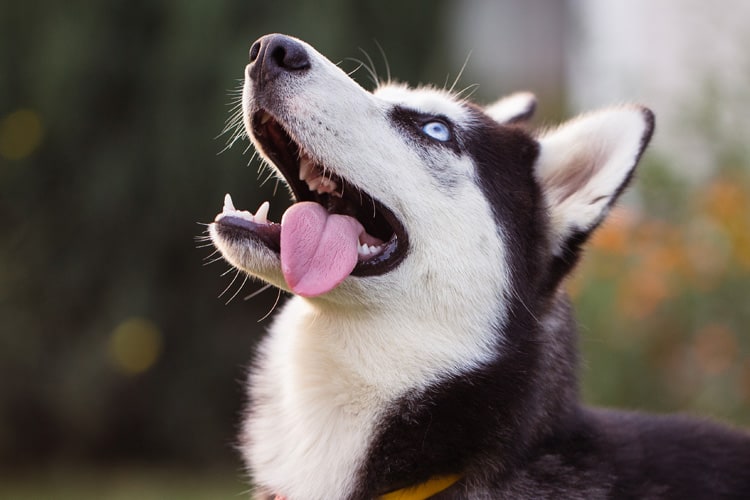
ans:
x=230 y=283
x=518 y=296
x=359 y=65
x=461 y=72
x=273 y=307
x=212 y=254
x=385 y=61
x=253 y=157
x=237 y=292
x=376 y=79
x=472 y=88
x=213 y=261
x=268 y=178
x=257 y=292
x=368 y=67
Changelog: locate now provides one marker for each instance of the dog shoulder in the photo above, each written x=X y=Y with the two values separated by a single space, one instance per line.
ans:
x=677 y=456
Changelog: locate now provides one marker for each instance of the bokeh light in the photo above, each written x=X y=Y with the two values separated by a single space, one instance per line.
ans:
x=135 y=345
x=20 y=134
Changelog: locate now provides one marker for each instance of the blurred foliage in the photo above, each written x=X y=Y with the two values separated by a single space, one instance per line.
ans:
x=663 y=297
x=123 y=484
x=113 y=345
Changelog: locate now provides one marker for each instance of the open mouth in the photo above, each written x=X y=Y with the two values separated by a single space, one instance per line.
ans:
x=320 y=194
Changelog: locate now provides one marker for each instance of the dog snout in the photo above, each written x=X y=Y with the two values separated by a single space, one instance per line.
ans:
x=274 y=55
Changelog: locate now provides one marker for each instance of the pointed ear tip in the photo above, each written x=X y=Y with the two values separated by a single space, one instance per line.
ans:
x=643 y=115
x=525 y=94
x=648 y=119
x=528 y=98
x=514 y=108
x=646 y=114
x=522 y=99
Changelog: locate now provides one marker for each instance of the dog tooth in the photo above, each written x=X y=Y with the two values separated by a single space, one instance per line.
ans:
x=314 y=183
x=264 y=119
x=305 y=166
x=261 y=215
x=228 y=205
x=325 y=186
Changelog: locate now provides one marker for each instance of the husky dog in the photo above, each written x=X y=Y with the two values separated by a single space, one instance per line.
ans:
x=429 y=349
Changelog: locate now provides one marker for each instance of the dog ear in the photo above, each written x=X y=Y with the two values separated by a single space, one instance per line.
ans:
x=582 y=168
x=515 y=108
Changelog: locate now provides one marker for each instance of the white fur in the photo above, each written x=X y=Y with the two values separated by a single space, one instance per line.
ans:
x=512 y=107
x=425 y=100
x=331 y=363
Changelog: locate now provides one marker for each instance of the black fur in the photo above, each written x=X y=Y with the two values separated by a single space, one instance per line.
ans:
x=516 y=428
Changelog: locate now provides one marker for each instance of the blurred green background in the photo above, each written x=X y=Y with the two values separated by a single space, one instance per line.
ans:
x=121 y=370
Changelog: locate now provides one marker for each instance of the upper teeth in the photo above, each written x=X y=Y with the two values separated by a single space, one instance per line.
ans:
x=315 y=178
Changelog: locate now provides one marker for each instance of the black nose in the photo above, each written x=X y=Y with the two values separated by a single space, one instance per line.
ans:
x=273 y=55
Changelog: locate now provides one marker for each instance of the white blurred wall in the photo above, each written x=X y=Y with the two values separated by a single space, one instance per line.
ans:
x=689 y=60
x=514 y=44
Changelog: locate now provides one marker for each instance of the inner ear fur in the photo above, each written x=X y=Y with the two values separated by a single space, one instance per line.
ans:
x=583 y=167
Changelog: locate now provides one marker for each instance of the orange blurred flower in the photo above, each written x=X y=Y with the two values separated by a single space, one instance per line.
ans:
x=715 y=349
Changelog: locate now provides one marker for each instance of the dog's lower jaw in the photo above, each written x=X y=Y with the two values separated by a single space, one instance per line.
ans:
x=253 y=259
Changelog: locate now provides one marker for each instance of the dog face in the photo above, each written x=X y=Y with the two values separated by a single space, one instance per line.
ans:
x=411 y=199
x=395 y=162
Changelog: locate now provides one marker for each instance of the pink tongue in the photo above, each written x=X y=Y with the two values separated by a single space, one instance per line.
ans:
x=318 y=249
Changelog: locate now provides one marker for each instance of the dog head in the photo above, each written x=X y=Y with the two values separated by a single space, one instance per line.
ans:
x=409 y=197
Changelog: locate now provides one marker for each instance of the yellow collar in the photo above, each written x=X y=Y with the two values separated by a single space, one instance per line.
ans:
x=424 y=490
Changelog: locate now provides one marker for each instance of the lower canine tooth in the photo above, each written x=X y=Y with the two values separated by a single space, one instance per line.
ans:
x=228 y=205
x=261 y=215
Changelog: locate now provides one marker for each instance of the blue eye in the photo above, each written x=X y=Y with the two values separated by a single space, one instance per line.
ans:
x=437 y=130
